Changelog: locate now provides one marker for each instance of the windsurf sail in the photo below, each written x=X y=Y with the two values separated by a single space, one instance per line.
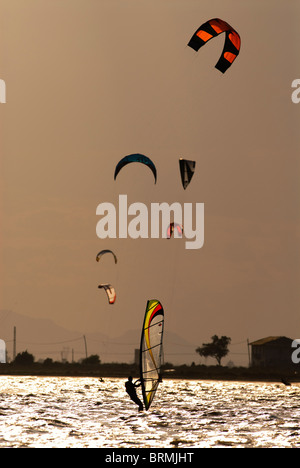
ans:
x=151 y=350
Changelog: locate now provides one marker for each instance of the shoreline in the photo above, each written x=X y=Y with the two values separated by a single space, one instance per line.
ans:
x=117 y=370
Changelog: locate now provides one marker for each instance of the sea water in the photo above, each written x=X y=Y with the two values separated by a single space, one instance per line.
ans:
x=62 y=412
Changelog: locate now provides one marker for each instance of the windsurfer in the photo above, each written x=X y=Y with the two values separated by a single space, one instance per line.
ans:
x=131 y=390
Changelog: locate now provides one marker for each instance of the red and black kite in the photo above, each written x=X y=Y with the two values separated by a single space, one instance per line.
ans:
x=213 y=28
x=171 y=229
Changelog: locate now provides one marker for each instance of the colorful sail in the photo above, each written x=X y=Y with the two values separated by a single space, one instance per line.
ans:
x=187 y=169
x=151 y=351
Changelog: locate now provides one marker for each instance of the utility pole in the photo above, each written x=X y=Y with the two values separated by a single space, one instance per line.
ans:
x=15 y=343
x=249 y=358
x=86 y=355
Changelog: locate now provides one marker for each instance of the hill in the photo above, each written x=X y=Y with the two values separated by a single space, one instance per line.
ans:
x=43 y=338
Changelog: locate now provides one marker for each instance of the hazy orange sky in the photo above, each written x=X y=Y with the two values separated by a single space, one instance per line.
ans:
x=90 y=81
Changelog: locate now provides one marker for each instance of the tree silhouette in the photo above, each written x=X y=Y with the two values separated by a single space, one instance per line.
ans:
x=217 y=349
x=92 y=360
x=24 y=359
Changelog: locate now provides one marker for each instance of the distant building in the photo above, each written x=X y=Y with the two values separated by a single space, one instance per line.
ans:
x=273 y=351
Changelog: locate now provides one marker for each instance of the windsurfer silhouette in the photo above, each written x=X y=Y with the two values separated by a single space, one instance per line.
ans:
x=131 y=390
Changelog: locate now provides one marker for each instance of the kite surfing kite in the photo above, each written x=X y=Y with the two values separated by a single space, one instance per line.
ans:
x=140 y=158
x=213 y=28
x=110 y=291
x=187 y=169
x=171 y=229
x=151 y=351
x=99 y=255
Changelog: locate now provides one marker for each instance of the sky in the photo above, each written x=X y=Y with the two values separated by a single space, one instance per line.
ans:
x=90 y=81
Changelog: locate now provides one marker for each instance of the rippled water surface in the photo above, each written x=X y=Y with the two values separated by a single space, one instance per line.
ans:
x=87 y=412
